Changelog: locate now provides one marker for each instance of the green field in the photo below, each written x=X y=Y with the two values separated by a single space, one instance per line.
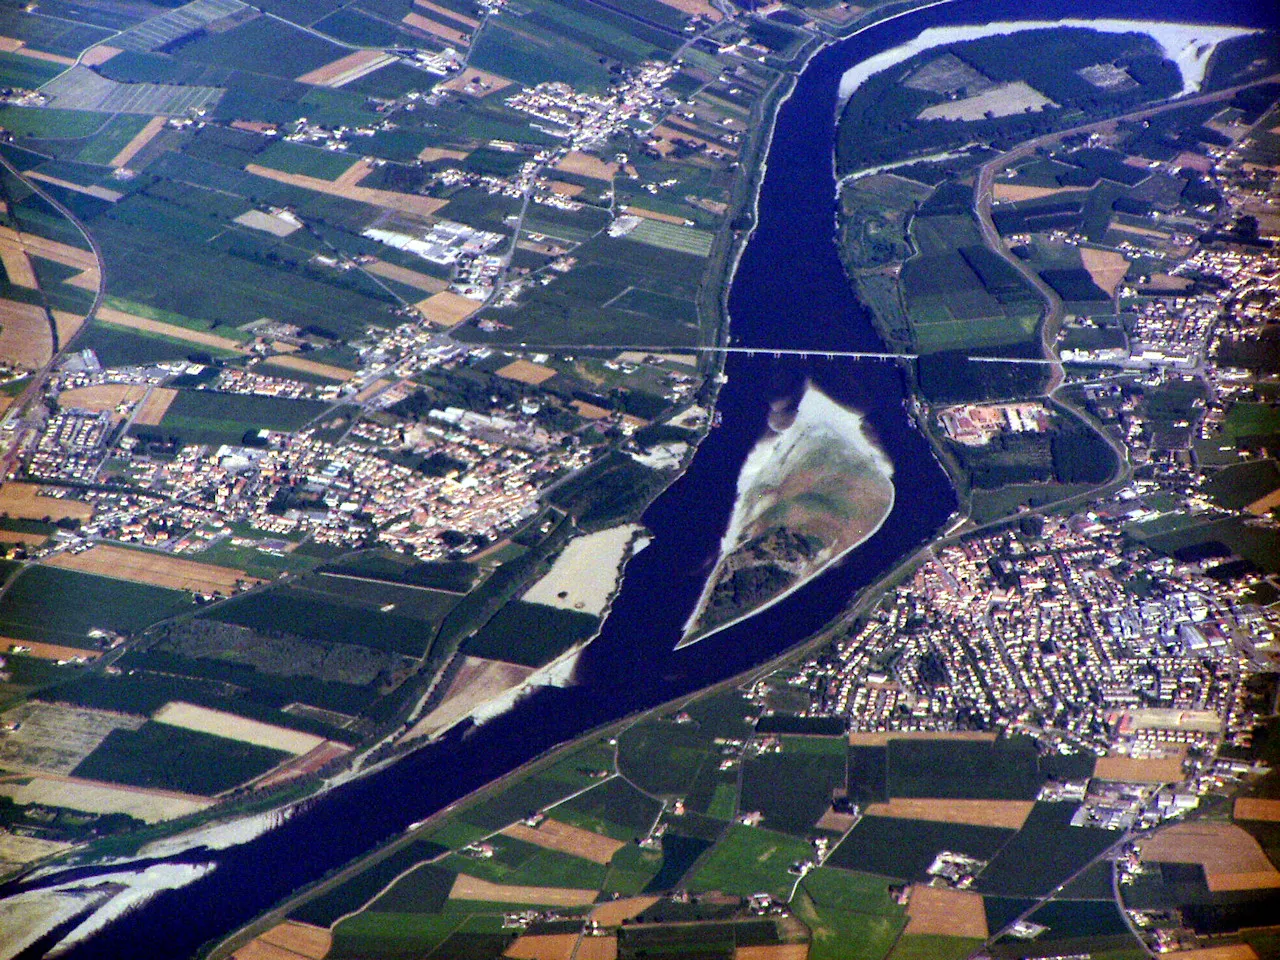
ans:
x=27 y=73
x=1043 y=853
x=305 y=614
x=851 y=916
x=750 y=860
x=308 y=161
x=524 y=864
x=530 y=634
x=1238 y=486
x=905 y=848
x=973 y=770
x=50 y=124
x=122 y=347
x=202 y=416
x=793 y=788
x=61 y=606
x=173 y=758
x=111 y=139
x=615 y=809
x=672 y=236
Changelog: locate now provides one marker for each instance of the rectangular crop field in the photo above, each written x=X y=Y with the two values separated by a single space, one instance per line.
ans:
x=530 y=634
x=615 y=809
x=157 y=569
x=158 y=755
x=750 y=860
x=23 y=500
x=62 y=606
x=905 y=848
x=214 y=418
x=220 y=724
x=307 y=615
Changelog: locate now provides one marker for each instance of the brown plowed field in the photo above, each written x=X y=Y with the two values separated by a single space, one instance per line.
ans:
x=303 y=365
x=427 y=25
x=554 y=835
x=463 y=83
x=451 y=14
x=155 y=407
x=158 y=569
x=1236 y=951
x=446 y=308
x=1010 y=814
x=140 y=140
x=773 y=951
x=68 y=324
x=597 y=948
x=1253 y=808
x=1139 y=769
x=654 y=215
x=20 y=500
x=429 y=154
x=48 y=651
x=1232 y=859
x=585 y=165
x=387 y=199
x=612 y=914
x=96 y=56
x=876 y=739
x=323 y=76
x=697 y=8
x=51 y=249
x=134 y=322
x=17 y=265
x=410 y=278
x=302 y=938
x=524 y=371
x=472 y=888
x=546 y=946
x=1106 y=267
x=26 y=339
x=937 y=910
x=102 y=397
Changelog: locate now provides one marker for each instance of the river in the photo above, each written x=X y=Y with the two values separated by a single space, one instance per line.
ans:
x=789 y=290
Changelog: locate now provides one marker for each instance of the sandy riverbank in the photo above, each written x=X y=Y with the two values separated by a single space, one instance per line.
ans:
x=1187 y=45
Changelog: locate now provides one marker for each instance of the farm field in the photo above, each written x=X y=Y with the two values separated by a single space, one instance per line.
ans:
x=157 y=569
x=217 y=418
x=26 y=501
x=188 y=716
x=64 y=606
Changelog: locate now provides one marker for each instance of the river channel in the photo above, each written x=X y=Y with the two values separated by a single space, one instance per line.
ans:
x=789 y=291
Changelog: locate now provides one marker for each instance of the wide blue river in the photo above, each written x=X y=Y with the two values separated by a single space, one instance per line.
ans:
x=789 y=291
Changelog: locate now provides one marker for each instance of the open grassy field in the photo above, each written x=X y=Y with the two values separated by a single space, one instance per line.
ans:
x=748 y=860
x=202 y=416
x=157 y=569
